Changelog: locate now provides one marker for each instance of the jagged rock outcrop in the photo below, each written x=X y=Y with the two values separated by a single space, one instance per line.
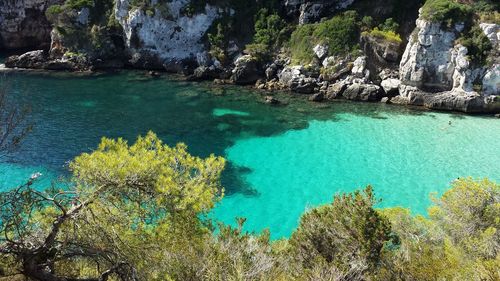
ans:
x=246 y=70
x=308 y=11
x=167 y=35
x=380 y=54
x=438 y=74
x=427 y=61
x=23 y=23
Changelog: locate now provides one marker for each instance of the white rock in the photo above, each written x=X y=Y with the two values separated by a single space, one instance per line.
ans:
x=390 y=85
x=178 y=37
x=491 y=81
x=359 y=67
x=329 y=61
x=427 y=60
x=492 y=31
x=321 y=51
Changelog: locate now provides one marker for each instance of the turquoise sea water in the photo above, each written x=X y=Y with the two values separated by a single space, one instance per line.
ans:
x=281 y=160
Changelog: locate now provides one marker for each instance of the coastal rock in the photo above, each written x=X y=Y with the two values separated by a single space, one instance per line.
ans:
x=318 y=97
x=336 y=90
x=246 y=70
x=391 y=86
x=290 y=73
x=362 y=92
x=23 y=23
x=204 y=73
x=34 y=59
x=427 y=61
x=303 y=85
x=457 y=100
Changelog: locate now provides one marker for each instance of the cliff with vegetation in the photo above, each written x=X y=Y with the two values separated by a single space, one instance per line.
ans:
x=442 y=54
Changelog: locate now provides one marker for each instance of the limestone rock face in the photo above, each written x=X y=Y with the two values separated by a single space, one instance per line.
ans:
x=491 y=81
x=23 y=23
x=311 y=11
x=427 y=61
x=167 y=34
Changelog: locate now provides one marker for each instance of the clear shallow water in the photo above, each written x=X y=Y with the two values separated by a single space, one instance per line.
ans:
x=282 y=160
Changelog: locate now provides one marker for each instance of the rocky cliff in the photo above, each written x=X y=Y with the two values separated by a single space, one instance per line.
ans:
x=23 y=23
x=442 y=58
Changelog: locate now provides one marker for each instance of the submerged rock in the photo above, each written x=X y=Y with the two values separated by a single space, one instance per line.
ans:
x=318 y=97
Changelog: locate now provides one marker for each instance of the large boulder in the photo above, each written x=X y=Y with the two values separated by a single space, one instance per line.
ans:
x=362 y=92
x=246 y=70
x=391 y=86
x=304 y=85
x=34 y=59
x=456 y=100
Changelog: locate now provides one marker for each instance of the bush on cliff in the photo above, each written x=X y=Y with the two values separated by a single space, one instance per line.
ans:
x=341 y=34
x=450 y=11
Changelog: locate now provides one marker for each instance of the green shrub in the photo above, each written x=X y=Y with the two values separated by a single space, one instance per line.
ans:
x=389 y=25
x=79 y=4
x=341 y=34
x=478 y=45
x=349 y=225
x=383 y=34
x=445 y=10
x=270 y=33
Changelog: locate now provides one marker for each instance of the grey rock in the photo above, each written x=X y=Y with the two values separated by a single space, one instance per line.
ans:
x=246 y=70
x=34 y=59
x=303 y=85
x=362 y=92
x=336 y=90
x=271 y=100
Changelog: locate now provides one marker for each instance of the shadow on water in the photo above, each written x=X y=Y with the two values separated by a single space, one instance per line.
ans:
x=71 y=112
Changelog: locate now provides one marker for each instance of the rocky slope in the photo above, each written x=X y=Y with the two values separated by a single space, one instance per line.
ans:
x=396 y=57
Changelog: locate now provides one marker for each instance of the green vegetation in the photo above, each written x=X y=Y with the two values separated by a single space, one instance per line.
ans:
x=446 y=10
x=340 y=33
x=137 y=212
x=270 y=33
x=478 y=45
x=385 y=35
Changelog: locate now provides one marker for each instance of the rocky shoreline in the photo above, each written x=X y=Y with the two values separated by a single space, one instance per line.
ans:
x=432 y=69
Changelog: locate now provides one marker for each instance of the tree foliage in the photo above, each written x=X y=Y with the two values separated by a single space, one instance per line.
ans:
x=137 y=212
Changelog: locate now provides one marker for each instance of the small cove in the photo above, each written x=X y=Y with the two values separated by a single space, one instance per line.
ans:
x=281 y=160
